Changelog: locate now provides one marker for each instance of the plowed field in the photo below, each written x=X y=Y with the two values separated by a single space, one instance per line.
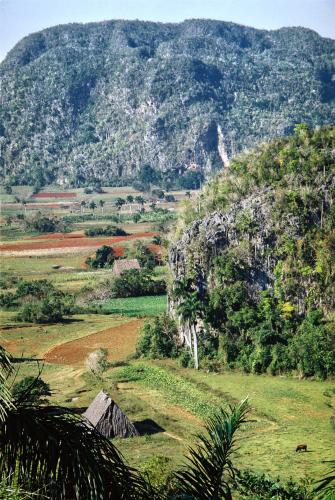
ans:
x=54 y=195
x=76 y=240
x=119 y=340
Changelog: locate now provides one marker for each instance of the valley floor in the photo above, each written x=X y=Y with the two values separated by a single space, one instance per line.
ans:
x=168 y=403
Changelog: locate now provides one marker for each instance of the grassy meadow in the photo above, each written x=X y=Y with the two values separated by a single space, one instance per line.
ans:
x=169 y=403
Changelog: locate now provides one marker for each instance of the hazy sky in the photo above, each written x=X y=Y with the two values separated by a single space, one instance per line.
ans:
x=21 y=17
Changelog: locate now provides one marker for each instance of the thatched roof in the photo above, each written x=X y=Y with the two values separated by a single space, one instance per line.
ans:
x=108 y=418
x=124 y=265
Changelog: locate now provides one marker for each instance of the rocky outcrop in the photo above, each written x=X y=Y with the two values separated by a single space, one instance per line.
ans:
x=248 y=228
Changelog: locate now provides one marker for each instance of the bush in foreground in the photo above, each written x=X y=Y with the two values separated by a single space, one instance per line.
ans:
x=30 y=390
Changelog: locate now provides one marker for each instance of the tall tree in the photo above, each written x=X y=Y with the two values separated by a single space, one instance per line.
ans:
x=92 y=206
x=101 y=203
x=190 y=309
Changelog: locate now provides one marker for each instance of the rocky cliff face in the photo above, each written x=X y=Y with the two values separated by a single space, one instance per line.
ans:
x=97 y=101
x=209 y=237
x=256 y=272
x=247 y=229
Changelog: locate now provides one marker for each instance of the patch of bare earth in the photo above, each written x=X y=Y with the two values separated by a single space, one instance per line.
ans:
x=119 y=340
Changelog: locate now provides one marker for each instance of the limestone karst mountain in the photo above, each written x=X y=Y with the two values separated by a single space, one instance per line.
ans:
x=97 y=101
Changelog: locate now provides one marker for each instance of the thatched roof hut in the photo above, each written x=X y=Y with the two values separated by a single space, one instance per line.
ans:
x=108 y=418
x=124 y=265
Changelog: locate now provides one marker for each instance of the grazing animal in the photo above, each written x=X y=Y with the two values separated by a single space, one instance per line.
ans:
x=301 y=447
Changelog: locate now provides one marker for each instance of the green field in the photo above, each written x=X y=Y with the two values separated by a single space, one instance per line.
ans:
x=136 y=306
x=284 y=412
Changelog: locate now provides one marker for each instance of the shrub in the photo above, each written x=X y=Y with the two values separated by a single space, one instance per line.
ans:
x=157 y=471
x=8 y=300
x=170 y=198
x=96 y=361
x=31 y=390
x=260 y=486
x=38 y=288
x=136 y=217
x=185 y=359
x=137 y=282
x=45 y=224
x=158 y=338
x=143 y=254
x=49 y=309
x=104 y=257
x=110 y=230
x=313 y=347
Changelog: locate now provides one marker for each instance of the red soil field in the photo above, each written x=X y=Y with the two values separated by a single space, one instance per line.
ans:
x=54 y=195
x=67 y=241
x=120 y=340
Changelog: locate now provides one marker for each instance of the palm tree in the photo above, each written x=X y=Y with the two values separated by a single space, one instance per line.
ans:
x=82 y=206
x=190 y=309
x=325 y=488
x=101 y=203
x=24 y=203
x=140 y=200
x=209 y=471
x=130 y=200
x=54 y=451
x=188 y=194
x=92 y=206
x=119 y=202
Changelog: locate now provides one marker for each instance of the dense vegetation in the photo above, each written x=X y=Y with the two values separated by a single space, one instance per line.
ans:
x=38 y=302
x=110 y=230
x=137 y=283
x=258 y=275
x=83 y=103
x=44 y=224
x=104 y=257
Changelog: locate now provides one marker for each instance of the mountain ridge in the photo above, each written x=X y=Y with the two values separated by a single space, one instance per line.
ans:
x=91 y=101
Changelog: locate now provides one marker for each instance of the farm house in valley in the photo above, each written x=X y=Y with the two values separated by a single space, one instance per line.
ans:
x=108 y=418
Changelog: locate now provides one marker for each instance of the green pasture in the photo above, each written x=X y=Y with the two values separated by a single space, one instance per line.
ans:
x=136 y=306
x=172 y=402
x=284 y=413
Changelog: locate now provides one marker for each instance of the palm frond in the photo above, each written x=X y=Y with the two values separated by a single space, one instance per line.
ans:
x=209 y=469
x=325 y=488
x=51 y=450
x=5 y=396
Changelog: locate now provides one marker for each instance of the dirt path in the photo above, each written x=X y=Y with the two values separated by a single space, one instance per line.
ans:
x=119 y=340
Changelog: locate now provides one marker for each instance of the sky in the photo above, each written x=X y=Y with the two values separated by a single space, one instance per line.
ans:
x=19 y=18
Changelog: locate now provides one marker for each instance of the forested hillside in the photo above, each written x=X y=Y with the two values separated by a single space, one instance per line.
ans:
x=254 y=265
x=98 y=101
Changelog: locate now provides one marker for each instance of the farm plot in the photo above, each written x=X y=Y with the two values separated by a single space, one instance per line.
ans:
x=33 y=340
x=67 y=242
x=120 y=342
x=52 y=195
x=150 y=305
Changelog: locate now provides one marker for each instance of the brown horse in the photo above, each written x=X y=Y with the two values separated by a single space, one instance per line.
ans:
x=301 y=447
